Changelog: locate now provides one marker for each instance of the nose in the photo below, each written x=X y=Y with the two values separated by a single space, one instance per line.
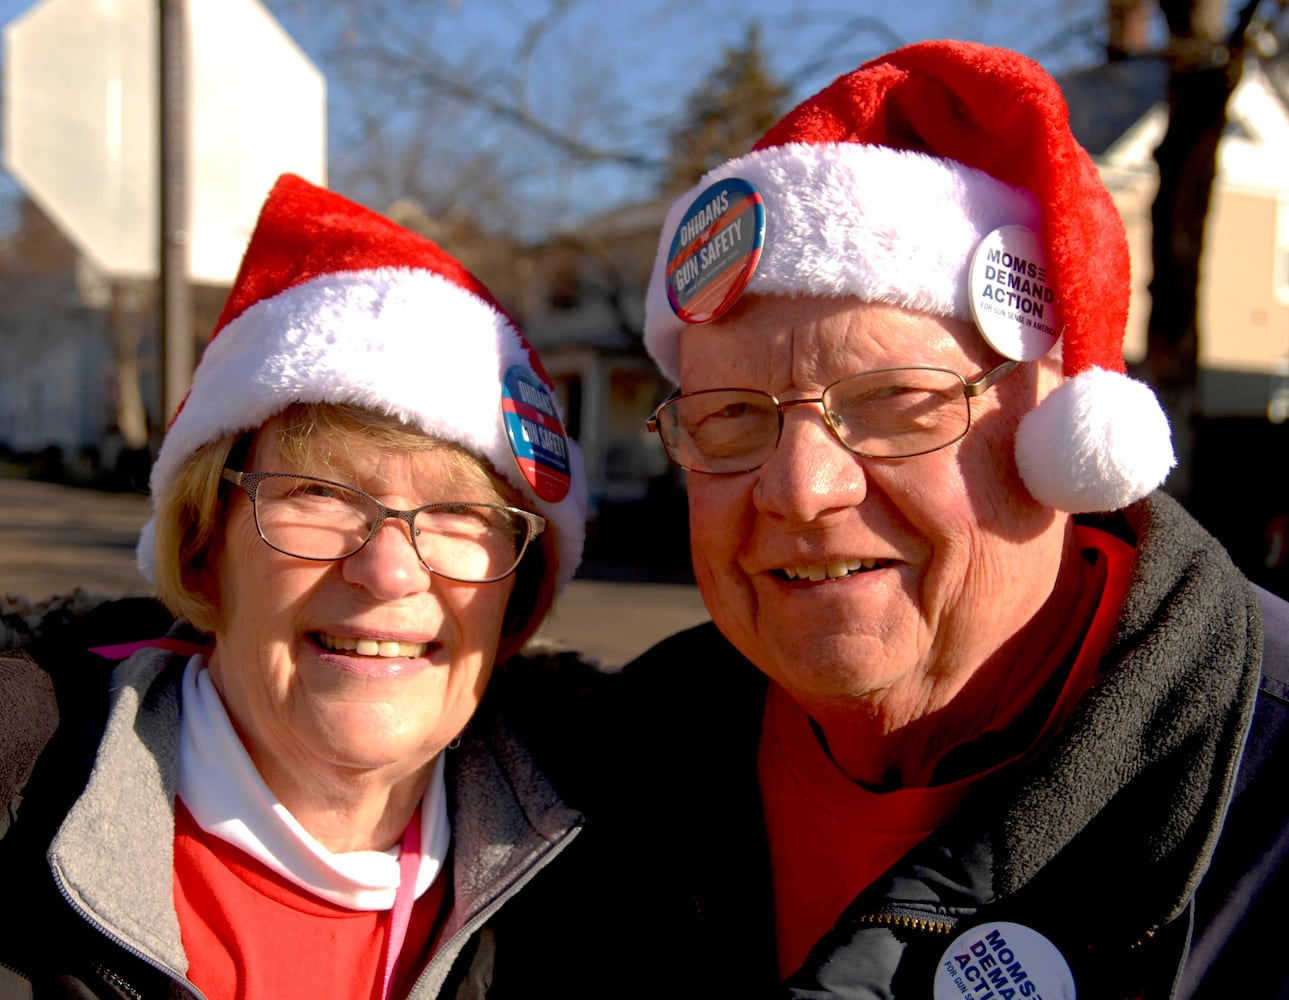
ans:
x=388 y=566
x=811 y=472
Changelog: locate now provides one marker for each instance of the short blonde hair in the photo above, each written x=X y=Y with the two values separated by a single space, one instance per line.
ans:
x=191 y=510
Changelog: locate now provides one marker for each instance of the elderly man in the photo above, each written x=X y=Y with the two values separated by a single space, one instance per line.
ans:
x=981 y=712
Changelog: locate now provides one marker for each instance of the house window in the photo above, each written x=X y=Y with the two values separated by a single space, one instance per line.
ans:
x=565 y=288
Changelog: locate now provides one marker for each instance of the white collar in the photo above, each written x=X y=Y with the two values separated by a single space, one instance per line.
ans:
x=221 y=787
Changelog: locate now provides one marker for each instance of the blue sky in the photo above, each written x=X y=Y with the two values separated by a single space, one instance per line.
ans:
x=655 y=51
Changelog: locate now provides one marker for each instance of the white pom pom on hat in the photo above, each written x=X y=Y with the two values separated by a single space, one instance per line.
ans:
x=1092 y=444
x=882 y=186
x=334 y=303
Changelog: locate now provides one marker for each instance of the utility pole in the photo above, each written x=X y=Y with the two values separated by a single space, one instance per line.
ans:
x=177 y=353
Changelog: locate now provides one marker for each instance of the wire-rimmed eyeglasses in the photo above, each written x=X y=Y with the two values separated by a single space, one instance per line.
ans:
x=884 y=413
x=324 y=521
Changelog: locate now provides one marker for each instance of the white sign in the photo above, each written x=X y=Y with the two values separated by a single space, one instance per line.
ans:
x=81 y=121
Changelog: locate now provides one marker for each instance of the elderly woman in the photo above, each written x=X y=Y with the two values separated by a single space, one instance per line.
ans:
x=980 y=713
x=365 y=503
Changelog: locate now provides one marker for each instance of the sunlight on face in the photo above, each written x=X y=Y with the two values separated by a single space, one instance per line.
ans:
x=362 y=664
x=843 y=577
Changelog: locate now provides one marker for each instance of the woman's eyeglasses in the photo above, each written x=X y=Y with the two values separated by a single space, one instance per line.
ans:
x=318 y=519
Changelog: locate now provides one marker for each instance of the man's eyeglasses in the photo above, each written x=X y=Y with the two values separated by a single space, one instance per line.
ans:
x=318 y=519
x=885 y=413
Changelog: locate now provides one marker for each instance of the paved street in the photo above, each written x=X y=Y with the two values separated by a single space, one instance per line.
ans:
x=56 y=538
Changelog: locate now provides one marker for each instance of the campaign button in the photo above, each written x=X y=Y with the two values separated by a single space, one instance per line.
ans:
x=536 y=433
x=999 y=960
x=715 y=250
x=1012 y=298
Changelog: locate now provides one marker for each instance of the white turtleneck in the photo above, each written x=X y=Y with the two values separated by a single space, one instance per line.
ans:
x=221 y=787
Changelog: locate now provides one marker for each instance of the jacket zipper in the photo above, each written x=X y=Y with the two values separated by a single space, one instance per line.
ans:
x=450 y=946
x=117 y=980
x=124 y=945
x=906 y=921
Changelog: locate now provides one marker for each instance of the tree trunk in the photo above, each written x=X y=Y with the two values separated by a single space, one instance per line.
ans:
x=1205 y=70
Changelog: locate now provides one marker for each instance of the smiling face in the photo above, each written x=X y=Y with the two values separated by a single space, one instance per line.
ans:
x=364 y=665
x=876 y=585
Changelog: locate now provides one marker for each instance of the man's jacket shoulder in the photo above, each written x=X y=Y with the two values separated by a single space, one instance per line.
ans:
x=1275 y=643
x=48 y=673
x=79 y=619
x=1270 y=728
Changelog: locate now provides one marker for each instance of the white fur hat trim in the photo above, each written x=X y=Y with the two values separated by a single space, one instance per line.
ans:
x=377 y=339
x=845 y=219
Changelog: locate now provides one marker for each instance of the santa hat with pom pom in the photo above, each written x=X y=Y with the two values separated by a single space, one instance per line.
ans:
x=942 y=177
x=334 y=303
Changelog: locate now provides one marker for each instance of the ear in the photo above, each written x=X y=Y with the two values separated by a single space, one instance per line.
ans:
x=200 y=578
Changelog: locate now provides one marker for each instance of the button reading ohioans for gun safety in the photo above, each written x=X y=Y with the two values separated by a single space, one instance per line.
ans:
x=1012 y=298
x=536 y=434
x=715 y=250
x=1002 y=959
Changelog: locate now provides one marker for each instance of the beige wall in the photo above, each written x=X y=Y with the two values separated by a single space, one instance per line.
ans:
x=1244 y=326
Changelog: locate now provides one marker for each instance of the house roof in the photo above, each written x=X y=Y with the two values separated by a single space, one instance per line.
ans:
x=1107 y=100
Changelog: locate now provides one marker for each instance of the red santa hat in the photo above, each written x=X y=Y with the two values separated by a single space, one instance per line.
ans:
x=334 y=303
x=885 y=185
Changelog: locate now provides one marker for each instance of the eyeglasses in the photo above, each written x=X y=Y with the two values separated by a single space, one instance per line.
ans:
x=318 y=519
x=885 y=413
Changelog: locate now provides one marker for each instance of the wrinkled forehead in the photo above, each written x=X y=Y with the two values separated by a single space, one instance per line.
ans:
x=351 y=444
x=773 y=342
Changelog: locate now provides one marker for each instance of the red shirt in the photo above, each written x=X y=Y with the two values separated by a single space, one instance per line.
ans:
x=830 y=838
x=249 y=933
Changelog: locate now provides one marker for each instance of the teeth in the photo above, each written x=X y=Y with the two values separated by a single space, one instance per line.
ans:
x=831 y=571
x=372 y=647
